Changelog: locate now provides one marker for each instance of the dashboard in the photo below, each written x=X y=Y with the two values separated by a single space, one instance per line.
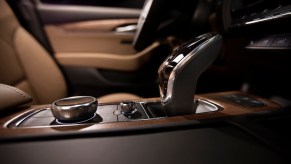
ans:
x=256 y=19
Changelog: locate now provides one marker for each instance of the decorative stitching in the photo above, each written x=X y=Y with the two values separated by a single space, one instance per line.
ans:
x=21 y=93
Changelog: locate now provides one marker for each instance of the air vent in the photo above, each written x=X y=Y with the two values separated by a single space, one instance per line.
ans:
x=247 y=12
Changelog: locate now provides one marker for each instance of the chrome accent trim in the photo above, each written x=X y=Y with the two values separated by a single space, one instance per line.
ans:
x=65 y=123
x=213 y=107
x=129 y=28
x=168 y=96
x=18 y=120
x=145 y=111
x=258 y=20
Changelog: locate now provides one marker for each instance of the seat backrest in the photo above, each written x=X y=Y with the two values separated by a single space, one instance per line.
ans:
x=25 y=64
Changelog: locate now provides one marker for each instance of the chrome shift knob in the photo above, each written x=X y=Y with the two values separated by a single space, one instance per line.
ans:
x=179 y=73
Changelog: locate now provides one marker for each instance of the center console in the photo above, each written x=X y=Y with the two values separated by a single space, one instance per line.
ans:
x=106 y=113
x=178 y=76
x=133 y=115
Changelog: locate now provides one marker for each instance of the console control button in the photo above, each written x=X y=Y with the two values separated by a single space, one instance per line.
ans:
x=243 y=100
x=265 y=42
x=281 y=41
x=128 y=107
x=253 y=43
x=74 y=109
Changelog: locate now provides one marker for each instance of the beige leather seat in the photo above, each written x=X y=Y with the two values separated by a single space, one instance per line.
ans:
x=25 y=64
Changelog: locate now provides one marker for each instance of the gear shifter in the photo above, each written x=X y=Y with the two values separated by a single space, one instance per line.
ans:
x=179 y=73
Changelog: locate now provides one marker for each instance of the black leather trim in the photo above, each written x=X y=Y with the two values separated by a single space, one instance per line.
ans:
x=50 y=14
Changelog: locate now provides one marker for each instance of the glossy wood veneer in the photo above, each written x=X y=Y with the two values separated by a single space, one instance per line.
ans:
x=229 y=110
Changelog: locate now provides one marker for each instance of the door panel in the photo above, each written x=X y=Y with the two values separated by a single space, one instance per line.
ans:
x=76 y=28
x=97 y=36
x=95 y=42
x=118 y=62
x=72 y=28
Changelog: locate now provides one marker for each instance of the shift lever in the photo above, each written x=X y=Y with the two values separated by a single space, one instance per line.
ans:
x=179 y=73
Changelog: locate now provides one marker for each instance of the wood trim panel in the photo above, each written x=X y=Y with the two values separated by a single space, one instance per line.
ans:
x=229 y=110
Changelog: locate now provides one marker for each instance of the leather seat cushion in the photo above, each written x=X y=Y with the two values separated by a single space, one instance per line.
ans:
x=117 y=97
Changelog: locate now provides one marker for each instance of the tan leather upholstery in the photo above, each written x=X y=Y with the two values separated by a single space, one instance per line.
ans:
x=88 y=41
x=25 y=64
x=119 y=62
x=117 y=97
x=11 y=97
